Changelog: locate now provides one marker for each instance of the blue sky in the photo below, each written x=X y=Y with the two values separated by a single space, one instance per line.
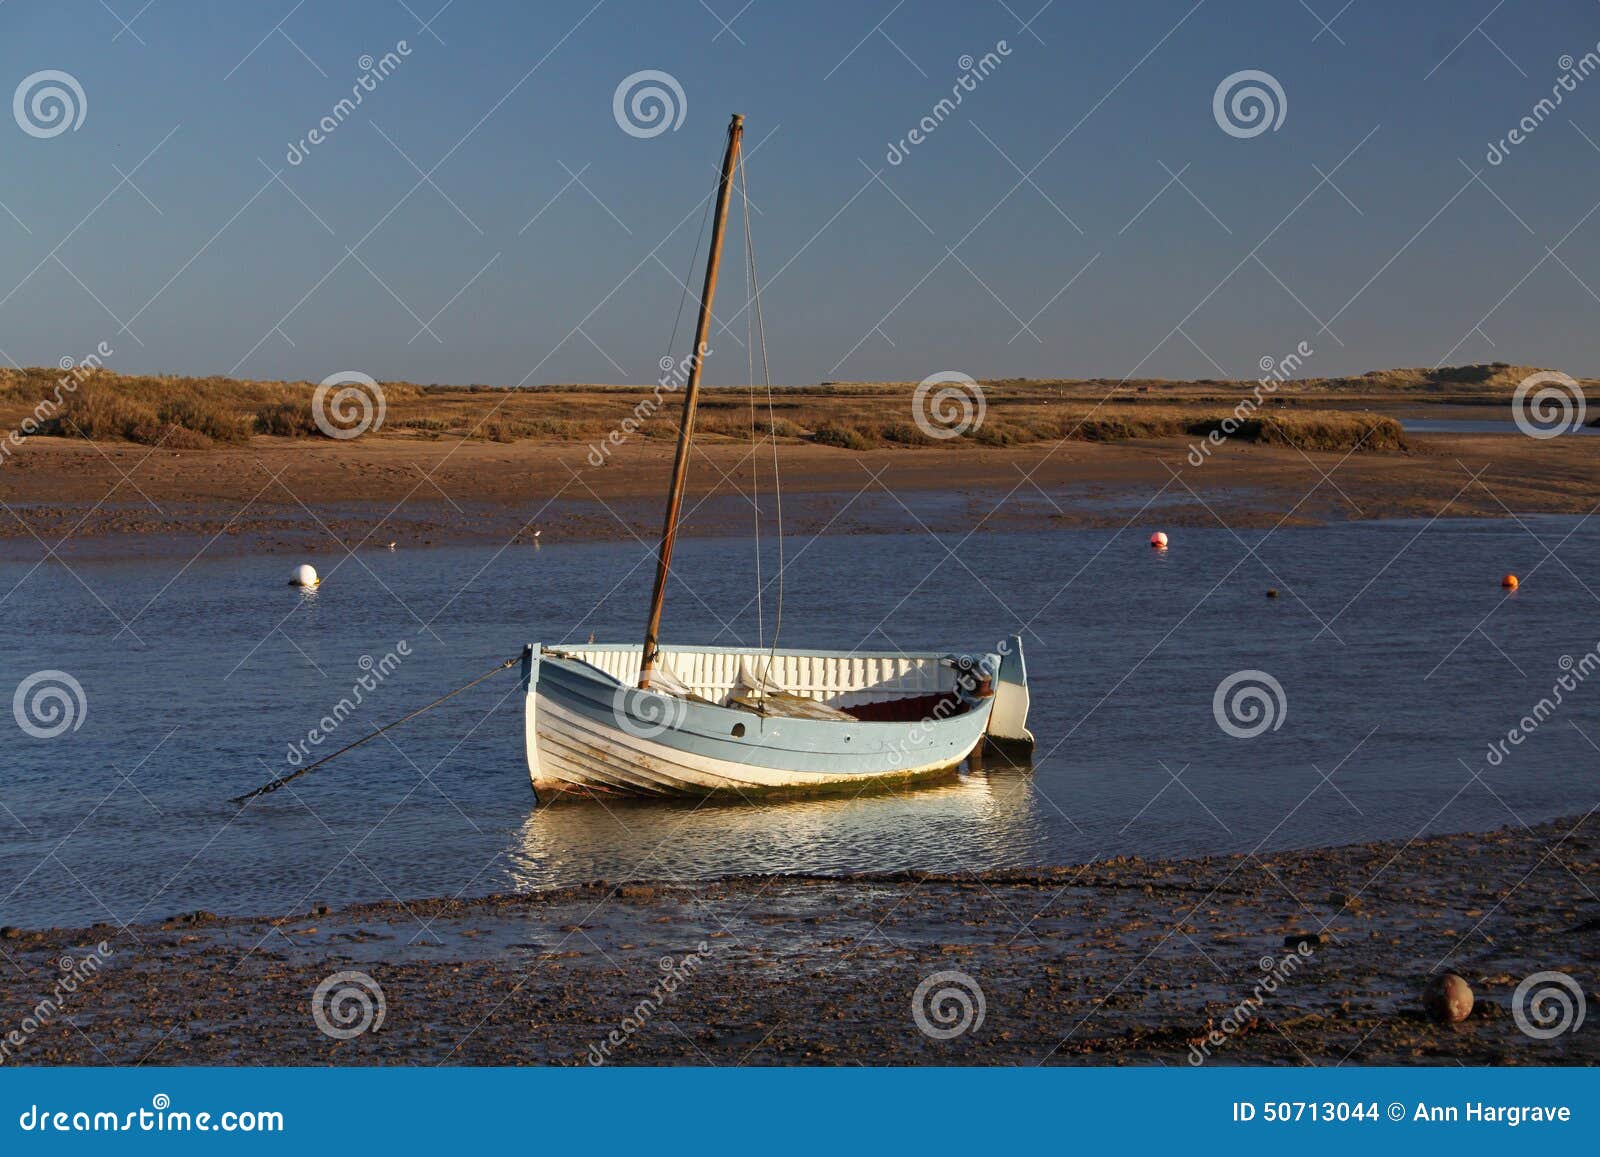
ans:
x=545 y=243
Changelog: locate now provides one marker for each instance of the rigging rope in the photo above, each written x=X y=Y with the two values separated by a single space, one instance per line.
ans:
x=772 y=433
x=755 y=466
x=694 y=256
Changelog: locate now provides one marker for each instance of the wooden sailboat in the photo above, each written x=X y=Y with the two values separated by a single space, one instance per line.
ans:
x=677 y=720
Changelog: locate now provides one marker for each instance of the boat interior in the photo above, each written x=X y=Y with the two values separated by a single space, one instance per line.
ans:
x=879 y=688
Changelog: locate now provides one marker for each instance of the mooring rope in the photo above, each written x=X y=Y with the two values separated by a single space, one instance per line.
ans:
x=265 y=789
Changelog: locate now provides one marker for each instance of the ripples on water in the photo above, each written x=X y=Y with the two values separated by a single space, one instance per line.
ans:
x=1476 y=426
x=1423 y=663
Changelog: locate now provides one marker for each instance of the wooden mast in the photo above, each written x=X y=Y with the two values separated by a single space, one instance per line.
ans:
x=691 y=395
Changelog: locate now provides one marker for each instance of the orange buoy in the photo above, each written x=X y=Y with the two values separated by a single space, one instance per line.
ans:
x=1159 y=540
x=1510 y=582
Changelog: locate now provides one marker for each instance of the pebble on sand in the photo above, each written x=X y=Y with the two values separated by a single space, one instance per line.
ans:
x=1447 y=999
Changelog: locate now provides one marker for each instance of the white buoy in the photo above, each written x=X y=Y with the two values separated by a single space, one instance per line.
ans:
x=391 y=546
x=305 y=576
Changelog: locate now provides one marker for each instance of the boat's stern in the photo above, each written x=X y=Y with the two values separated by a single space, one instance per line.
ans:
x=1008 y=721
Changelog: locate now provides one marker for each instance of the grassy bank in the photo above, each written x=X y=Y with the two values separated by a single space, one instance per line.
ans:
x=187 y=413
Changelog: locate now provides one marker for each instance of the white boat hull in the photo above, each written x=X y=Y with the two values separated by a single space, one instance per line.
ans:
x=566 y=752
x=588 y=730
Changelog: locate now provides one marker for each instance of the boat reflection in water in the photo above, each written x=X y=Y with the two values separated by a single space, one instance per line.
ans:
x=983 y=816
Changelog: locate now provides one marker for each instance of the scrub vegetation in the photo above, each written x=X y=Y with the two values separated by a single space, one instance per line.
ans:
x=1312 y=414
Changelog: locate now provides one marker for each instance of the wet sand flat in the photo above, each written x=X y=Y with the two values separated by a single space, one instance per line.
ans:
x=282 y=494
x=1121 y=961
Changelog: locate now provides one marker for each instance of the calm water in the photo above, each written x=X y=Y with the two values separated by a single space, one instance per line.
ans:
x=127 y=818
x=1474 y=426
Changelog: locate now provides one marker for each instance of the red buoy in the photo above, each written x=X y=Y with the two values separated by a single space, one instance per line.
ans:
x=1159 y=540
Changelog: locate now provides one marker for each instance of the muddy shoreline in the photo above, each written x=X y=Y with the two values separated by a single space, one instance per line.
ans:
x=314 y=496
x=1124 y=961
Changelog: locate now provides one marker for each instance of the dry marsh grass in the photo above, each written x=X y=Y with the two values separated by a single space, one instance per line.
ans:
x=193 y=413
